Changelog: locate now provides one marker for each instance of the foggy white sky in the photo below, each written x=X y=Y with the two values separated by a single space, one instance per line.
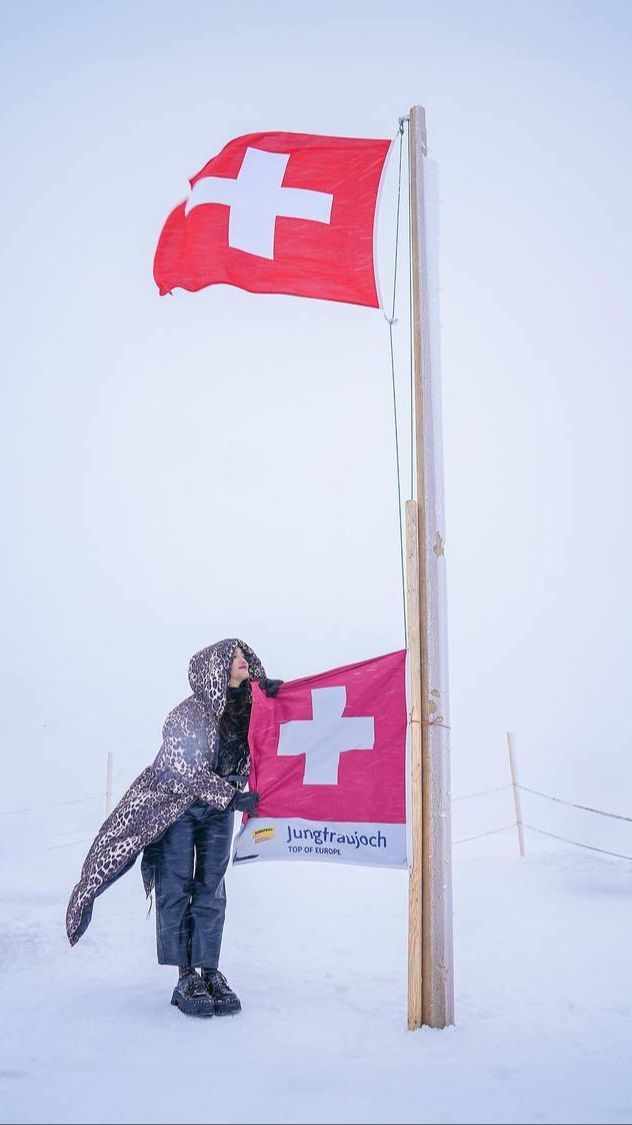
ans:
x=179 y=469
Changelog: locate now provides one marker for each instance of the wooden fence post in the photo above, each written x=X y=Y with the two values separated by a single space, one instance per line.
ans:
x=108 y=784
x=516 y=794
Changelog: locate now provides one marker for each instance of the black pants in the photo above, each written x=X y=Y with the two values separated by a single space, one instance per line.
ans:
x=191 y=861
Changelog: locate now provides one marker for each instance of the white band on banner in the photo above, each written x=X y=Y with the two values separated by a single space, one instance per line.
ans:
x=369 y=845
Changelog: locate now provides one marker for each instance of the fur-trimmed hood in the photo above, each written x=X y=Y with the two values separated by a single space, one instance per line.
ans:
x=209 y=672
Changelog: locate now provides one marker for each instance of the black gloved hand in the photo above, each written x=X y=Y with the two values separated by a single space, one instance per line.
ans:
x=270 y=687
x=245 y=802
x=239 y=780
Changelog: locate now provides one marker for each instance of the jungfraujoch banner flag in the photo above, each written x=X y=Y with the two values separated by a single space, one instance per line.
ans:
x=279 y=213
x=329 y=764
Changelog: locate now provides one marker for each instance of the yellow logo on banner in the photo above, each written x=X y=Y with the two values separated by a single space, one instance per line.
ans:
x=260 y=834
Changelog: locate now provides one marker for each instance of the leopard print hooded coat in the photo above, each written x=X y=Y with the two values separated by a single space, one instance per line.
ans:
x=181 y=775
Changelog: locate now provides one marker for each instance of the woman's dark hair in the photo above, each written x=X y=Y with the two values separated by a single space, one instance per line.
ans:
x=236 y=714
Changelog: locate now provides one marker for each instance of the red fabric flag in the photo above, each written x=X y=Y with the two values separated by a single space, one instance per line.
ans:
x=279 y=213
x=329 y=763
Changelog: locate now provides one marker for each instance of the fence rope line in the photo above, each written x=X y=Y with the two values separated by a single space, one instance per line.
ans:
x=482 y=792
x=68 y=844
x=590 y=847
x=585 y=808
x=548 y=797
x=463 y=840
x=54 y=805
x=514 y=785
x=479 y=836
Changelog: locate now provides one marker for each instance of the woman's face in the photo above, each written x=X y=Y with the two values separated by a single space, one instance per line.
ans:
x=239 y=668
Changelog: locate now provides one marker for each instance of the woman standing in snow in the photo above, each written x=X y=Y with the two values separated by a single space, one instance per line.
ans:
x=179 y=813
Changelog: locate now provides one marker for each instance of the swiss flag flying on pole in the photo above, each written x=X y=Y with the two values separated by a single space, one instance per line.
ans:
x=329 y=764
x=279 y=213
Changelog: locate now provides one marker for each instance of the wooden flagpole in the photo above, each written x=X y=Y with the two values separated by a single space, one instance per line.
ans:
x=430 y=897
x=415 y=886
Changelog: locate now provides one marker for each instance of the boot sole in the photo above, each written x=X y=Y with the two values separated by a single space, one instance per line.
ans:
x=227 y=1010
x=189 y=1007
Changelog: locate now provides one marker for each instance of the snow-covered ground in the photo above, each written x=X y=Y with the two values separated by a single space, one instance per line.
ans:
x=318 y=955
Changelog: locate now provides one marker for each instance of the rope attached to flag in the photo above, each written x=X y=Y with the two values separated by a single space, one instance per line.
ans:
x=391 y=321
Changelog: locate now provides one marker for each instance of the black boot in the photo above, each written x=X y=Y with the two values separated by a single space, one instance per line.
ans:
x=191 y=996
x=226 y=1002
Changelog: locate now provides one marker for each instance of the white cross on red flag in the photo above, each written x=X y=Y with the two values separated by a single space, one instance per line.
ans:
x=329 y=764
x=279 y=213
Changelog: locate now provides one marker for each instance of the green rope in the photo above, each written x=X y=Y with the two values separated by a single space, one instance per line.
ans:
x=410 y=327
x=391 y=321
